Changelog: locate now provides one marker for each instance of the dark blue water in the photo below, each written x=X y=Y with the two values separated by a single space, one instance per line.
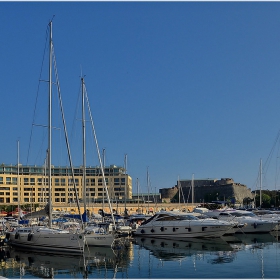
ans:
x=239 y=256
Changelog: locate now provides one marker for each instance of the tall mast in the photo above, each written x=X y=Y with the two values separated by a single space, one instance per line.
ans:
x=50 y=127
x=84 y=144
x=18 y=185
x=261 y=183
x=148 y=185
x=192 y=189
x=138 y=195
x=103 y=163
x=125 y=186
x=179 y=191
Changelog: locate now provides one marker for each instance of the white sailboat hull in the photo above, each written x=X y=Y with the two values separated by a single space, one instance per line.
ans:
x=47 y=240
x=97 y=239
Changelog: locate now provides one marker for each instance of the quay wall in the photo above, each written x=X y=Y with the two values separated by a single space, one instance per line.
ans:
x=131 y=208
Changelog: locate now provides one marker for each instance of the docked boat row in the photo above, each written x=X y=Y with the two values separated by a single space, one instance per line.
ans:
x=170 y=225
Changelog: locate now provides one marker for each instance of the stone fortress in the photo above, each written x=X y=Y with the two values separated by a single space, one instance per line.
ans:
x=207 y=190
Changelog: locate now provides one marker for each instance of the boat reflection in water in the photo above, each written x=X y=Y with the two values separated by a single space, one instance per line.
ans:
x=170 y=250
x=94 y=260
x=256 y=240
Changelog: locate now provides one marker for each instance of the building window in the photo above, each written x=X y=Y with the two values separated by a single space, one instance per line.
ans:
x=8 y=180
x=32 y=181
x=63 y=182
x=116 y=181
x=92 y=182
x=56 y=182
x=26 y=181
x=26 y=199
x=14 y=181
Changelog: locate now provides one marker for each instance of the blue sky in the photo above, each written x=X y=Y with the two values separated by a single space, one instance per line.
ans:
x=182 y=88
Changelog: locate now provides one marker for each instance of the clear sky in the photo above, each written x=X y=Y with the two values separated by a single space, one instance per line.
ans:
x=182 y=88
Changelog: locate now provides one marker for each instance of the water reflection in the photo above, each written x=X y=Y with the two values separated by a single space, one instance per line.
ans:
x=176 y=250
x=98 y=260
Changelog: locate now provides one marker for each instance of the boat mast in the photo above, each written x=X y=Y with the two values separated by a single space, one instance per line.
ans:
x=84 y=144
x=261 y=183
x=137 y=194
x=125 y=185
x=50 y=127
x=179 y=191
x=148 y=190
x=192 y=189
x=18 y=185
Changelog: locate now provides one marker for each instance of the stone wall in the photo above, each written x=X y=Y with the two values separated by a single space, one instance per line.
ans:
x=209 y=190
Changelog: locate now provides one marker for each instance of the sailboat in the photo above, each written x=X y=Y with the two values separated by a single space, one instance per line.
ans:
x=47 y=238
x=95 y=235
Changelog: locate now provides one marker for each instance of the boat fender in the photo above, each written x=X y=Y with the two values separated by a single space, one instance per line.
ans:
x=17 y=235
x=189 y=229
x=142 y=231
x=152 y=230
x=203 y=228
x=8 y=235
x=162 y=228
x=174 y=229
x=255 y=225
x=152 y=241
x=29 y=237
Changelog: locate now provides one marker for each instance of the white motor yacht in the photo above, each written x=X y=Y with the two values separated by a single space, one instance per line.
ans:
x=254 y=224
x=181 y=225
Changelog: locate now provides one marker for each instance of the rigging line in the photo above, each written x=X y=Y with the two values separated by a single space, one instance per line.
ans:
x=66 y=136
x=73 y=129
x=271 y=152
x=277 y=171
x=37 y=94
x=99 y=158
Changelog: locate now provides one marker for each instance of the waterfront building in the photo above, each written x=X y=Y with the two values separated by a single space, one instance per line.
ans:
x=29 y=184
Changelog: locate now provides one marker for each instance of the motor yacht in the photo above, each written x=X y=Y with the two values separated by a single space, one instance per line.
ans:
x=176 y=225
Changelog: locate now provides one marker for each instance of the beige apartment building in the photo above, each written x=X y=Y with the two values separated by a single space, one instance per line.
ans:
x=29 y=184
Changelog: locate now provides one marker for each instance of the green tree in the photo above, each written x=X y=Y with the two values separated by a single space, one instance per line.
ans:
x=266 y=200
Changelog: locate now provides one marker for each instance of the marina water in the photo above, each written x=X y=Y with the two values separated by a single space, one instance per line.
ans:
x=239 y=256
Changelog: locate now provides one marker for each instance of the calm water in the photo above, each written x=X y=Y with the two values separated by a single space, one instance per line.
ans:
x=239 y=256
